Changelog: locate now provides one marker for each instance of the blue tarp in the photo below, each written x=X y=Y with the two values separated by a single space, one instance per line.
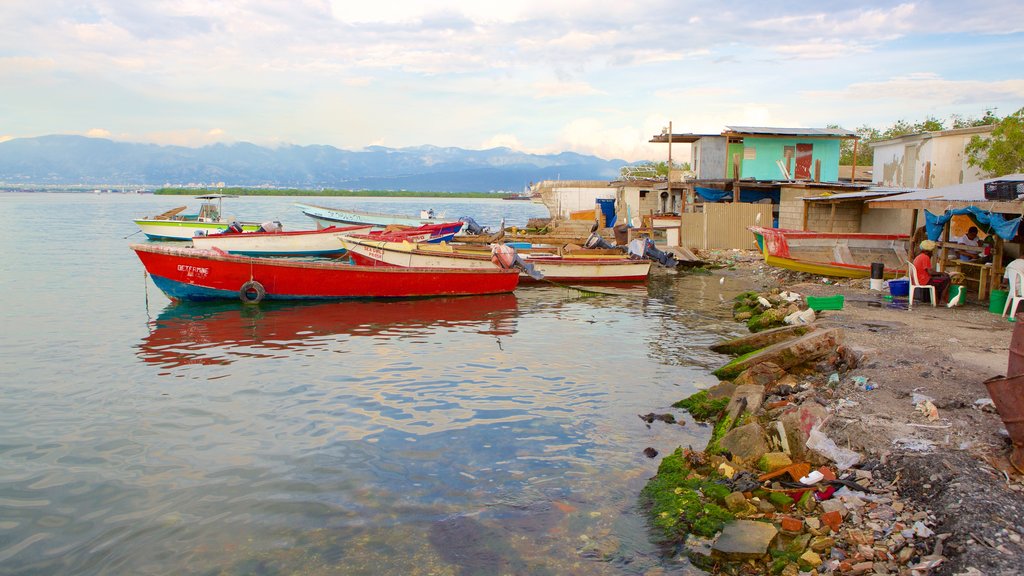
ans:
x=608 y=209
x=746 y=195
x=989 y=222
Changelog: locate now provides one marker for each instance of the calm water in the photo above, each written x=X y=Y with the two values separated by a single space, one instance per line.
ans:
x=491 y=435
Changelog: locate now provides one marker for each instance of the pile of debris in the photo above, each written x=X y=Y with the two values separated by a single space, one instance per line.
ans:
x=771 y=493
x=771 y=309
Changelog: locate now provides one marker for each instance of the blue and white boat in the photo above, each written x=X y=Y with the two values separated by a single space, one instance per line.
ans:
x=325 y=216
x=326 y=242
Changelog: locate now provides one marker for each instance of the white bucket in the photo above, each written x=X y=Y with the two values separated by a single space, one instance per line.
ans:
x=876 y=284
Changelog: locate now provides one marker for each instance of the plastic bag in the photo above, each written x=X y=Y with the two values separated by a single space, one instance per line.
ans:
x=824 y=445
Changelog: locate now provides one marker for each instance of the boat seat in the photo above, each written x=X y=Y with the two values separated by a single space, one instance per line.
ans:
x=916 y=285
x=841 y=253
x=169 y=214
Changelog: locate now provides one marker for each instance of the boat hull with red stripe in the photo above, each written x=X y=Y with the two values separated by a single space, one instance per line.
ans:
x=197 y=275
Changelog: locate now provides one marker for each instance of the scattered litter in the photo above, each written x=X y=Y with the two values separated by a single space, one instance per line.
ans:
x=862 y=383
x=824 y=445
x=922 y=531
x=833 y=379
x=844 y=403
x=812 y=478
x=985 y=404
x=789 y=296
x=914 y=444
x=764 y=302
x=801 y=317
x=928 y=409
x=917 y=398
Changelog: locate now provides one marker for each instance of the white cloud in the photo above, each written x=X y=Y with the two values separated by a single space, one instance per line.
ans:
x=927 y=89
x=562 y=89
x=98 y=133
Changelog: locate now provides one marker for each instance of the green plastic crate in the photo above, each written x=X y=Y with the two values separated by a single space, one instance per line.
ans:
x=819 y=303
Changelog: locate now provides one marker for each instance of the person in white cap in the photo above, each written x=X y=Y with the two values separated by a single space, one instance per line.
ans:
x=928 y=275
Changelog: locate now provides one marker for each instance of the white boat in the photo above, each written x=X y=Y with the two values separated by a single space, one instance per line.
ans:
x=175 y=225
x=325 y=216
x=566 y=268
x=325 y=242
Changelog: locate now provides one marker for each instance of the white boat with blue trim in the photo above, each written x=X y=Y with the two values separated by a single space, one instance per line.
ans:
x=325 y=242
x=175 y=225
x=325 y=216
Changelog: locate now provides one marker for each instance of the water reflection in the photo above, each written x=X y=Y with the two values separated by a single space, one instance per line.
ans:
x=222 y=333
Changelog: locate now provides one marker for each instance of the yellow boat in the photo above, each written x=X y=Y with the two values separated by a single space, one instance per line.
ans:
x=832 y=254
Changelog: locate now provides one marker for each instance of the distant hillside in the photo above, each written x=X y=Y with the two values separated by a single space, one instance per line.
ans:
x=66 y=160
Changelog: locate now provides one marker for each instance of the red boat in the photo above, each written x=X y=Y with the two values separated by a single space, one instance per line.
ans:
x=192 y=274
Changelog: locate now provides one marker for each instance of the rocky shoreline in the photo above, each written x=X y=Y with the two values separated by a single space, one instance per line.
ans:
x=828 y=457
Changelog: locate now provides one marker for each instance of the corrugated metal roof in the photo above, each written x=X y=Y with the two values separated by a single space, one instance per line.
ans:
x=865 y=194
x=966 y=192
x=681 y=138
x=767 y=130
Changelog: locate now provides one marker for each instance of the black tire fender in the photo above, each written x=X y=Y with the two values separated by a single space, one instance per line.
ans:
x=252 y=292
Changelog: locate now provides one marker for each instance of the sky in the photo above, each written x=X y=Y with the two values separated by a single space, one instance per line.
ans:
x=596 y=77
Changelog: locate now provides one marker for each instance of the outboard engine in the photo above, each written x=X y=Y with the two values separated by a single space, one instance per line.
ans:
x=471 y=227
x=645 y=248
x=506 y=256
x=233 y=228
x=596 y=241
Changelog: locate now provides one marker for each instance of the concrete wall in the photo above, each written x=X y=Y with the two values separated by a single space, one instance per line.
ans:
x=905 y=161
x=885 y=221
x=760 y=163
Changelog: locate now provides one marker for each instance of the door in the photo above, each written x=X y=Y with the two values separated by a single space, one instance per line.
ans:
x=804 y=155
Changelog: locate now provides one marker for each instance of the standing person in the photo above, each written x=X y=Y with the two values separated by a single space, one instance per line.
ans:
x=926 y=274
x=969 y=239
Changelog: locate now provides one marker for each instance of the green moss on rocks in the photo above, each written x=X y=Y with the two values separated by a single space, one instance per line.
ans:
x=701 y=407
x=681 y=502
x=733 y=369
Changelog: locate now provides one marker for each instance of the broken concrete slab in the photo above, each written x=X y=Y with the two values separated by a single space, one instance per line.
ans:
x=744 y=539
x=786 y=355
x=747 y=398
x=761 y=339
x=746 y=442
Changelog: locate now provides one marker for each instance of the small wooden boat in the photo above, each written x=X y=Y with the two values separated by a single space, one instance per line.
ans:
x=430 y=233
x=193 y=274
x=322 y=242
x=832 y=254
x=370 y=252
x=325 y=216
x=175 y=225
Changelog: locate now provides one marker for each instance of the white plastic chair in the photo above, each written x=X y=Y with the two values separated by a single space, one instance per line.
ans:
x=916 y=285
x=1016 y=293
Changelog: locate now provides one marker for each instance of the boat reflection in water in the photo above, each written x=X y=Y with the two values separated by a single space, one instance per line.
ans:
x=219 y=333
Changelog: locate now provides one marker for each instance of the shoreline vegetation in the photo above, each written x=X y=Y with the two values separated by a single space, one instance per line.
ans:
x=326 y=192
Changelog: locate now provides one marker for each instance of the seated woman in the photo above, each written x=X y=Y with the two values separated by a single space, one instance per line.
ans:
x=928 y=275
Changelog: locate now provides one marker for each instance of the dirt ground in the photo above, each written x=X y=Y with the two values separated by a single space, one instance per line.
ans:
x=954 y=467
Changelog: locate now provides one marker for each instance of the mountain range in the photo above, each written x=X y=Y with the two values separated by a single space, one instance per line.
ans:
x=79 y=160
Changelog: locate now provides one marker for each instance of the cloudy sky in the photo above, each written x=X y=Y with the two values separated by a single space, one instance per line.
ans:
x=597 y=77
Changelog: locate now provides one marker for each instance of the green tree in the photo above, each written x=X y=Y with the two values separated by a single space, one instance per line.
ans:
x=959 y=121
x=1002 y=152
x=864 y=154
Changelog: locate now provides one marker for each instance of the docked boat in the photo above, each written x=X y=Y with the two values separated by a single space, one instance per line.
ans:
x=367 y=251
x=193 y=274
x=323 y=242
x=430 y=233
x=832 y=254
x=175 y=224
x=325 y=216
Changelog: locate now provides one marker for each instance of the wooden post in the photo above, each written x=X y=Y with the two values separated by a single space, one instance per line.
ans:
x=817 y=170
x=832 y=217
x=928 y=174
x=735 y=177
x=789 y=169
x=806 y=207
x=913 y=229
x=997 y=266
x=853 y=169
x=945 y=248
x=669 y=188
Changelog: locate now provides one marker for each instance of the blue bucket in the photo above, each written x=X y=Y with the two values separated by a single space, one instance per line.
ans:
x=899 y=287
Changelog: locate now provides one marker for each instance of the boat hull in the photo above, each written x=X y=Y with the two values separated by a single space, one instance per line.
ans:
x=185 y=229
x=832 y=254
x=325 y=216
x=198 y=275
x=323 y=242
x=555 y=268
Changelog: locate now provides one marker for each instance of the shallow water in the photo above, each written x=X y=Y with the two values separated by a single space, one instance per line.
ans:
x=476 y=435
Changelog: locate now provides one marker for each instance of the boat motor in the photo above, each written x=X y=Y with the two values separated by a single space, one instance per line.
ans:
x=505 y=256
x=471 y=226
x=645 y=248
x=596 y=241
